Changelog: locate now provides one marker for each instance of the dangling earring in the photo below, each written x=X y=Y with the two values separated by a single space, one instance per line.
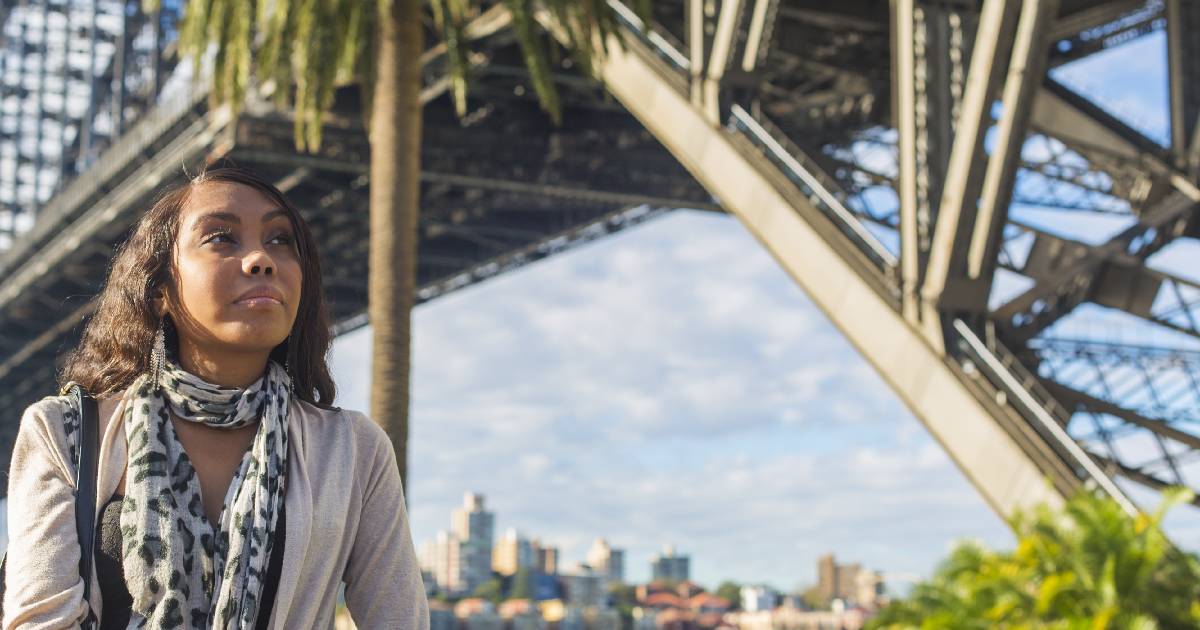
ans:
x=158 y=353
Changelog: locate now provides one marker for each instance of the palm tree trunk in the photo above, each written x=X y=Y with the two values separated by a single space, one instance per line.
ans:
x=395 y=138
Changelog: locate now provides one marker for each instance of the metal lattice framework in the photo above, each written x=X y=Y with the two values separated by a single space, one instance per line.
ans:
x=875 y=117
x=72 y=74
x=848 y=137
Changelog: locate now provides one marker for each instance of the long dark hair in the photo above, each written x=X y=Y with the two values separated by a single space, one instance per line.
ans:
x=114 y=348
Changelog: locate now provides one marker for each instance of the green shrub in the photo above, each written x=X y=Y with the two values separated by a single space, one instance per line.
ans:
x=1085 y=566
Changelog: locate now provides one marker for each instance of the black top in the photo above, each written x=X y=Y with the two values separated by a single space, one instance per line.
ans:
x=117 y=600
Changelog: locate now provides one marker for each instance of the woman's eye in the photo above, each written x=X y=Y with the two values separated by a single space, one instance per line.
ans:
x=212 y=238
x=215 y=237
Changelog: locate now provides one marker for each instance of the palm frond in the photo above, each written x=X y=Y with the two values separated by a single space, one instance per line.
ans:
x=585 y=23
x=451 y=18
x=314 y=45
x=306 y=48
x=533 y=51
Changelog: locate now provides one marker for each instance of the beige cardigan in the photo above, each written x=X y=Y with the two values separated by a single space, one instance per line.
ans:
x=346 y=521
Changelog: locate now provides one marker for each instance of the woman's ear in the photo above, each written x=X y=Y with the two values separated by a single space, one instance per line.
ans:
x=159 y=304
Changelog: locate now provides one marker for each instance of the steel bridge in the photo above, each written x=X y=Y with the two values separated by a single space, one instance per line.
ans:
x=889 y=155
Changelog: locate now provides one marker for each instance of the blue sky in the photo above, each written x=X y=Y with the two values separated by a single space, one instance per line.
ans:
x=670 y=384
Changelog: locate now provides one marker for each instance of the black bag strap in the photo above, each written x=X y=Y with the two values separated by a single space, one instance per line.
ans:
x=86 y=467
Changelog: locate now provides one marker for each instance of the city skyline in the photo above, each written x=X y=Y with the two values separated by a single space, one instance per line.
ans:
x=508 y=551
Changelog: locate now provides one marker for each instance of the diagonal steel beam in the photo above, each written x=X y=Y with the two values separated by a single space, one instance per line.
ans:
x=1123 y=282
x=1183 y=20
x=762 y=22
x=980 y=430
x=1080 y=401
x=1158 y=382
x=1068 y=280
x=1025 y=68
x=975 y=200
x=723 y=43
x=929 y=53
x=1089 y=17
x=1107 y=142
x=1137 y=475
x=904 y=106
x=964 y=177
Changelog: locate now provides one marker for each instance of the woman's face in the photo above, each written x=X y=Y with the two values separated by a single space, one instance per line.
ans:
x=234 y=244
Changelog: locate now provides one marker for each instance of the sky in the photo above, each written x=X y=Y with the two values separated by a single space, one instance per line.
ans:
x=671 y=384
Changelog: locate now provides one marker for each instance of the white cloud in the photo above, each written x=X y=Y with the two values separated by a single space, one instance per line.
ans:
x=671 y=385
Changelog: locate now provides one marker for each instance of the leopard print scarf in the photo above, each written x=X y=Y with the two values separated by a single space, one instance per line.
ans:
x=182 y=570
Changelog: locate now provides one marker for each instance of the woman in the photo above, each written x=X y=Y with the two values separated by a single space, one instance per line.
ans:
x=231 y=492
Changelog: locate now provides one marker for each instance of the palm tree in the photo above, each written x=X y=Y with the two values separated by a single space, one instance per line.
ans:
x=317 y=45
x=1086 y=566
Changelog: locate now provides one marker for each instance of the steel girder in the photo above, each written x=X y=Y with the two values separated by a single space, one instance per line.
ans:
x=72 y=72
x=802 y=222
x=916 y=175
x=1075 y=156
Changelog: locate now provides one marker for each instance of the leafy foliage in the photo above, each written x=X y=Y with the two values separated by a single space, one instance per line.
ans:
x=522 y=584
x=732 y=592
x=318 y=45
x=1087 y=566
x=491 y=590
x=623 y=597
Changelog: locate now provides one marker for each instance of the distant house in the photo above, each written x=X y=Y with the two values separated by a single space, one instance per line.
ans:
x=687 y=606
x=704 y=603
x=664 y=601
x=688 y=589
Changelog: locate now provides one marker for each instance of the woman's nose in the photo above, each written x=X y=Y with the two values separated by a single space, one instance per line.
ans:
x=258 y=262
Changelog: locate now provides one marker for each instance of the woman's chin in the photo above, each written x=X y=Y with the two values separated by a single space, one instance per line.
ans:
x=255 y=338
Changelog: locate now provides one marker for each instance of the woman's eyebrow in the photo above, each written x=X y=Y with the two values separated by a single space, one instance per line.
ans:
x=233 y=218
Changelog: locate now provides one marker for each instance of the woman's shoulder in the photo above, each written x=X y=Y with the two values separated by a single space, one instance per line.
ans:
x=53 y=405
x=53 y=422
x=49 y=412
x=345 y=435
x=58 y=410
x=343 y=421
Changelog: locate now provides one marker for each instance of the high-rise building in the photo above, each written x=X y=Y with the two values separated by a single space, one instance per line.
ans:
x=472 y=525
x=847 y=582
x=472 y=521
x=427 y=556
x=668 y=566
x=512 y=552
x=585 y=587
x=447 y=562
x=826 y=577
x=758 y=597
x=545 y=558
x=868 y=589
x=608 y=562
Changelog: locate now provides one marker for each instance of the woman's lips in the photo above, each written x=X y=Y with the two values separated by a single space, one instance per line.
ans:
x=259 y=302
